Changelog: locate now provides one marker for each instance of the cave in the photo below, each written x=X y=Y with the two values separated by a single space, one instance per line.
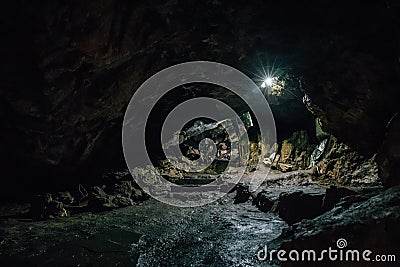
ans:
x=200 y=133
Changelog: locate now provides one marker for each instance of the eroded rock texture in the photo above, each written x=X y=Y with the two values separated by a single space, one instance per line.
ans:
x=365 y=223
x=342 y=165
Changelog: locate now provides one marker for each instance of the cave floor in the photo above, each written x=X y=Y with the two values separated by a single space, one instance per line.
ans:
x=150 y=233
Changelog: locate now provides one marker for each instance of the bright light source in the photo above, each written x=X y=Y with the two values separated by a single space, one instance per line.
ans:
x=267 y=82
x=263 y=85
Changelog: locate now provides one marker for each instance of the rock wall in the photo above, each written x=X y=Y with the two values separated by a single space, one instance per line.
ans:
x=293 y=153
x=337 y=164
x=341 y=165
x=72 y=66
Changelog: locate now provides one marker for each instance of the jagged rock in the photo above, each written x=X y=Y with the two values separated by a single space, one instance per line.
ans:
x=373 y=224
x=341 y=165
x=242 y=193
x=296 y=206
x=123 y=188
x=293 y=154
x=349 y=200
x=223 y=151
x=121 y=194
x=45 y=207
x=99 y=200
x=286 y=151
x=275 y=161
x=121 y=201
x=263 y=202
x=173 y=170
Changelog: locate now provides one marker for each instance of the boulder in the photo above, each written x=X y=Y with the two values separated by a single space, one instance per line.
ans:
x=372 y=224
x=123 y=188
x=263 y=201
x=242 y=193
x=99 y=200
x=293 y=207
x=45 y=207
x=284 y=167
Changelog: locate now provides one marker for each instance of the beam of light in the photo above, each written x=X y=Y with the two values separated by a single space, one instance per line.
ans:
x=266 y=75
x=267 y=82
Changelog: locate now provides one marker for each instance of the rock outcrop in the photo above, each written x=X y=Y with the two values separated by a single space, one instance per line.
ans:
x=45 y=207
x=242 y=193
x=117 y=191
x=292 y=153
x=295 y=206
x=367 y=223
x=341 y=165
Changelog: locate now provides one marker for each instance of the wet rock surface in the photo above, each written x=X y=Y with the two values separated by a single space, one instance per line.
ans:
x=295 y=206
x=150 y=234
x=367 y=223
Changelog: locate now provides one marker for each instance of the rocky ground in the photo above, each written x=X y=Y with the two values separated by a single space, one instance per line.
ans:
x=147 y=234
x=290 y=210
